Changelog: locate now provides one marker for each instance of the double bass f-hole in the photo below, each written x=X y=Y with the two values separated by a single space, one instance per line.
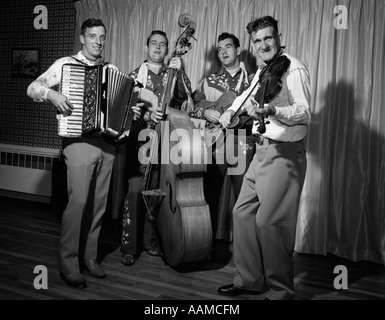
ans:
x=172 y=208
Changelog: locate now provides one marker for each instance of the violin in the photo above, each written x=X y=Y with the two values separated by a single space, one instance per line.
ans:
x=270 y=84
x=270 y=79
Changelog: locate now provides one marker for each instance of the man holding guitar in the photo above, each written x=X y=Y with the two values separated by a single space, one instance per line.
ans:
x=265 y=214
x=138 y=231
x=214 y=95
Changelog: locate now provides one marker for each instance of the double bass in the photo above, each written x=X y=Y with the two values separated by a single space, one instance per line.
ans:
x=181 y=214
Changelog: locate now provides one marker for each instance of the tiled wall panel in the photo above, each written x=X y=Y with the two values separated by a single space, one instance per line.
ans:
x=22 y=121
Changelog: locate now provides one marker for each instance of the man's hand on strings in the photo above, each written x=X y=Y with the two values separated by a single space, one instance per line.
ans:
x=212 y=115
x=254 y=111
x=175 y=63
x=226 y=118
x=157 y=115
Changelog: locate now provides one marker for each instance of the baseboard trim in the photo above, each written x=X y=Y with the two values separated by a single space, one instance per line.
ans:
x=24 y=196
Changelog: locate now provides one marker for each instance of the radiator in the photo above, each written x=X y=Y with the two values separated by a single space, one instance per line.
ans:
x=26 y=170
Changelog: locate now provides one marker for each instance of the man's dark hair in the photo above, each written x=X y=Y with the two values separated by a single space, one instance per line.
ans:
x=226 y=35
x=162 y=33
x=90 y=23
x=262 y=23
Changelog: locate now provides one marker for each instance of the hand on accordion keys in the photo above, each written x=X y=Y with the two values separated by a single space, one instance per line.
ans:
x=61 y=102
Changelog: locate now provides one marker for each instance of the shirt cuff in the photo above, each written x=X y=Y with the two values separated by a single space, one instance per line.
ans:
x=44 y=93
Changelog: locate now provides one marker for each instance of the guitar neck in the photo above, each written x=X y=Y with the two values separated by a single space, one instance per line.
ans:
x=167 y=95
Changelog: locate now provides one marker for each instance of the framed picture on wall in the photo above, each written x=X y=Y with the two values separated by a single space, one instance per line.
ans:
x=25 y=63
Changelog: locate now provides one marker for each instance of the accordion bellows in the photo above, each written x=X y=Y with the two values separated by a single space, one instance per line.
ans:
x=102 y=98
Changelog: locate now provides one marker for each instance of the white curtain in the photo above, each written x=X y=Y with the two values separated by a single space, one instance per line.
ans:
x=343 y=201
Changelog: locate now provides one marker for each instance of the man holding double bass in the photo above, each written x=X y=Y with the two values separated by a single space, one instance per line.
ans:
x=265 y=214
x=138 y=231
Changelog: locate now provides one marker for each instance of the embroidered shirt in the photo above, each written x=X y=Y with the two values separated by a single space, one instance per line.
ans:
x=158 y=82
x=214 y=85
x=155 y=84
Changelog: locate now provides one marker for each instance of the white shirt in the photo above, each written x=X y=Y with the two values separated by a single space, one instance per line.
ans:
x=39 y=88
x=292 y=104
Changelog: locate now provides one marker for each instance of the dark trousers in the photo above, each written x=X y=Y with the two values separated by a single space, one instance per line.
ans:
x=138 y=231
x=216 y=173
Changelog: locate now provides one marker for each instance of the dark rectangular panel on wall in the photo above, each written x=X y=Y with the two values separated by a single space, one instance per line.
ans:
x=23 y=121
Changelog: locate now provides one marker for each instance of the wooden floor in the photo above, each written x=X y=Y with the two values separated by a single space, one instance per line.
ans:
x=29 y=237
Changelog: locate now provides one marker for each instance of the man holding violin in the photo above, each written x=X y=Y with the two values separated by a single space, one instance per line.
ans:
x=265 y=214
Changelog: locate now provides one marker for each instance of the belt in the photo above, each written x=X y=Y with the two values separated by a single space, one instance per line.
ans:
x=259 y=139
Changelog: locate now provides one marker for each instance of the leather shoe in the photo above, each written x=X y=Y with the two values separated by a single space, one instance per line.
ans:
x=232 y=290
x=153 y=252
x=74 y=280
x=94 y=269
x=128 y=259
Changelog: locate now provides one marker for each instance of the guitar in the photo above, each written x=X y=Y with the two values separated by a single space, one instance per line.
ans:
x=214 y=133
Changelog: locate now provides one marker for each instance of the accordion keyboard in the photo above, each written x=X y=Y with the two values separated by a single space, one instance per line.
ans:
x=100 y=96
x=72 y=87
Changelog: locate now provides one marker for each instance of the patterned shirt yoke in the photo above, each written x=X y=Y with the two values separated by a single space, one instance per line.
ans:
x=214 y=85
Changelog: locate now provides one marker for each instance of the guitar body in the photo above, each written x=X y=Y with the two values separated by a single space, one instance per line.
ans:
x=221 y=104
x=214 y=133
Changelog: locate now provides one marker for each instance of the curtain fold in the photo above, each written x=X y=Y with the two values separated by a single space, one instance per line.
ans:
x=342 y=208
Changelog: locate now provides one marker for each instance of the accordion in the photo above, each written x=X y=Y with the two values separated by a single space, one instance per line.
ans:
x=102 y=98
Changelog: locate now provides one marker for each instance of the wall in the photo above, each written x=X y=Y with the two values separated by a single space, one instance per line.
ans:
x=28 y=130
x=22 y=121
